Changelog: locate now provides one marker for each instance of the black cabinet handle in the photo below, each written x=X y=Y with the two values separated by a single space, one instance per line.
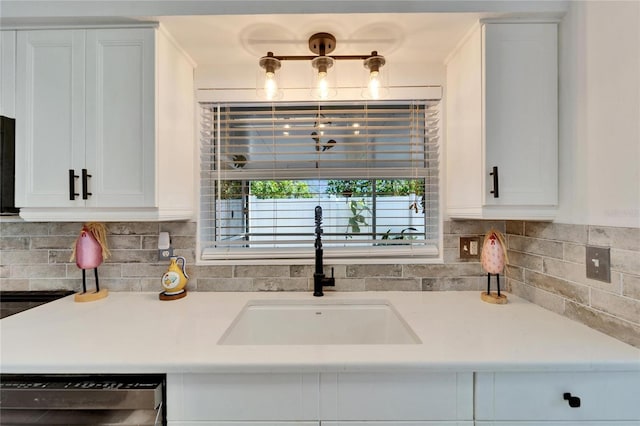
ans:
x=494 y=173
x=85 y=184
x=574 y=401
x=72 y=185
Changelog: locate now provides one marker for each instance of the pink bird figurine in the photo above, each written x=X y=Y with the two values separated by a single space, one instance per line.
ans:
x=493 y=260
x=89 y=251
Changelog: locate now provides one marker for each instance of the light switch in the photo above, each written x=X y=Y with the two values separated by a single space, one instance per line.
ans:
x=473 y=248
x=469 y=247
x=598 y=263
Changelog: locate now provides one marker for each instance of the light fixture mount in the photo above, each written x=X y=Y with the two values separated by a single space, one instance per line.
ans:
x=269 y=63
x=322 y=43
x=374 y=62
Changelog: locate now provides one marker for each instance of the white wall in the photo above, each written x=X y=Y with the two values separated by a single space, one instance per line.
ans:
x=298 y=74
x=600 y=114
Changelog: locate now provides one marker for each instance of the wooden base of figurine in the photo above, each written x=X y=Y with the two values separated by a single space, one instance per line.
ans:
x=90 y=297
x=165 y=296
x=493 y=298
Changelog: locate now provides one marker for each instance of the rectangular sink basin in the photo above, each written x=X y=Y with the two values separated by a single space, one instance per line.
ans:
x=317 y=323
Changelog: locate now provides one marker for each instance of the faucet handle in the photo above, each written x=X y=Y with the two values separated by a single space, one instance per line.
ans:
x=331 y=281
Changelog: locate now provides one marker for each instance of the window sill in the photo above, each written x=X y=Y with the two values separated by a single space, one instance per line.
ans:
x=424 y=255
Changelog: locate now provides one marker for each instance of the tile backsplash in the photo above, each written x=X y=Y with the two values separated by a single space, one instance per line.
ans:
x=547 y=267
x=35 y=256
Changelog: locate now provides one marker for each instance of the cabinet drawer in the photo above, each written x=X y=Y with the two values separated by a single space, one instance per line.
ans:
x=540 y=396
x=242 y=397
x=559 y=423
x=399 y=423
x=396 y=396
x=229 y=423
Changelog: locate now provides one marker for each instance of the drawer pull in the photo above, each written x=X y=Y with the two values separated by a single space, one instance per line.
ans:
x=494 y=173
x=72 y=185
x=574 y=401
x=85 y=184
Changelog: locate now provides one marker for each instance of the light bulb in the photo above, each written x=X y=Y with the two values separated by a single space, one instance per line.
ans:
x=323 y=85
x=374 y=84
x=270 y=85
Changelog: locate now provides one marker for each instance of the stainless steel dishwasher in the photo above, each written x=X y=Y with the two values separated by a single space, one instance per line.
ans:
x=82 y=400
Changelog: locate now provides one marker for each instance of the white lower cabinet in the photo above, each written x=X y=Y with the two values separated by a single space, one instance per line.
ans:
x=395 y=423
x=229 y=398
x=561 y=423
x=206 y=423
x=318 y=423
x=412 y=396
x=553 y=399
x=405 y=399
x=354 y=399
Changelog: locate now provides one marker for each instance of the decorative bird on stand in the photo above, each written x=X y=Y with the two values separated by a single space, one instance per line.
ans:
x=89 y=250
x=320 y=124
x=330 y=143
x=493 y=260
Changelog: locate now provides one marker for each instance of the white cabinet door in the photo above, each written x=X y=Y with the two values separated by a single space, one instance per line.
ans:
x=502 y=113
x=398 y=423
x=521 y=113
x=120 y=142
x=544 y=423
x=224 y=423
x=396 y=397
x=539 y=397
x=8 y=73
x=50 y=125
x=228 y=398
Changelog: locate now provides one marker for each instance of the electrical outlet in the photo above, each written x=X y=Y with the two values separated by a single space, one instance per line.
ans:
x=165 y=251
x=165 y=254
x=598 y=263
x=469 y=247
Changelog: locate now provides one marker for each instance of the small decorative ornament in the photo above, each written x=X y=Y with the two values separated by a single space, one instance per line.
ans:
x=89 y=251
x=174 y=280
x=493 y=259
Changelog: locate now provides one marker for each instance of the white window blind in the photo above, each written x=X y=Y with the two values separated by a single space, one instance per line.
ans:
x=372 y=167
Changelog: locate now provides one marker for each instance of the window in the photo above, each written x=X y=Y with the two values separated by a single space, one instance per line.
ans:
x=373 y=168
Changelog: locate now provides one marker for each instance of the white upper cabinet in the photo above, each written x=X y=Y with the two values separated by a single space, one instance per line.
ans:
x=8 y=73
x=94 y=134
x=502 y=123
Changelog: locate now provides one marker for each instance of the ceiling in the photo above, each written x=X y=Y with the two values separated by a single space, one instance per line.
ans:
x=242 y=39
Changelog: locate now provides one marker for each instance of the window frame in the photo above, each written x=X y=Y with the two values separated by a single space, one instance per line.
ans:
x=392 y=253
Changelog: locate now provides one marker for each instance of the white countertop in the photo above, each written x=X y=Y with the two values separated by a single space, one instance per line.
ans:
x=137 y=333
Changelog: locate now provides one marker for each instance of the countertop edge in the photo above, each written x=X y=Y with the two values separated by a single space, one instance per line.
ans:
x=139 y=334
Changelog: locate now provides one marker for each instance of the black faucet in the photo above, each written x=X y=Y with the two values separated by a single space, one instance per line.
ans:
x=319 y=279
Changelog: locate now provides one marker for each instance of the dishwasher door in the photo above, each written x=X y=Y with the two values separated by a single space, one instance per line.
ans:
x=82 y=400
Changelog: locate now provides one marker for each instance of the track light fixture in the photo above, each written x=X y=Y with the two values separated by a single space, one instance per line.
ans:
x=322 y=44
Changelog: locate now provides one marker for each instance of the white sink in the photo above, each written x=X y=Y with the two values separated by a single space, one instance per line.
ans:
x=318 y=323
